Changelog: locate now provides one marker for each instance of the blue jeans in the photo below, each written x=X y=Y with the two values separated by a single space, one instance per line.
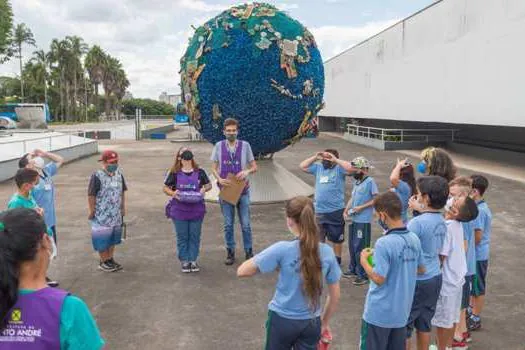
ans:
x=228 y=212
x=359 y=239
x=188 y=239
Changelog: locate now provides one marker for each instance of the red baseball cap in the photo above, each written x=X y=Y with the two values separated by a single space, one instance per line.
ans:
x=108 y=156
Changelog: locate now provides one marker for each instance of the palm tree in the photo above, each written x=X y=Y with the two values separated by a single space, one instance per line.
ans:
x=59 y=55
x=6 y=29
x=43 y=59
x=95 y=63
x=109 y=83
x=78 y=48
x=22 y=35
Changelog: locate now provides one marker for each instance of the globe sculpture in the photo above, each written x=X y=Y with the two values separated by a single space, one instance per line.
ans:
x=256 y=64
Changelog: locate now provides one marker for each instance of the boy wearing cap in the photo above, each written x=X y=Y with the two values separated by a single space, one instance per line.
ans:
x=359 y=212
x=107 y=206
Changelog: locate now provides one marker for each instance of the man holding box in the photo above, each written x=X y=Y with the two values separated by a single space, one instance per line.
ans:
x=233 y=156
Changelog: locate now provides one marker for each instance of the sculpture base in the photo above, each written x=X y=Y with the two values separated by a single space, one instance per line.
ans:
x=272 y=183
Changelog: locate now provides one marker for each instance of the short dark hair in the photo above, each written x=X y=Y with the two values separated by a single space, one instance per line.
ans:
x=332 y=151
x=24 y=176
x=389 y=203
x=480 y=183
x=468 y=211
x=436 y=188
x=230 y=122
x=22 y=163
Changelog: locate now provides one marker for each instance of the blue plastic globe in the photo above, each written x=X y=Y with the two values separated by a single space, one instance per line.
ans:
x=255 y=64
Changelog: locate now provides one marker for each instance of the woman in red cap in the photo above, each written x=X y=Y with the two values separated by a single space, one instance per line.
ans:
x=107 y=207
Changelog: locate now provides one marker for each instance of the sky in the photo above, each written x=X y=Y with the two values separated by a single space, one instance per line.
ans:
x=150 y=36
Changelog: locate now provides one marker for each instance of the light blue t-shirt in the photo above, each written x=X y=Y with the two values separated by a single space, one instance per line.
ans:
x=431 y=229
x=44 y=193
x=396 y=258
x=484 y=223
x=289 y=300
x=329 y=188
x=468 y=235
x=404 y=192
x=246 y=154
x=363 y=192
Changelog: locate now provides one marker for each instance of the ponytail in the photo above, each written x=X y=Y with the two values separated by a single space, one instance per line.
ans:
x=21 y=233
x=301 y=210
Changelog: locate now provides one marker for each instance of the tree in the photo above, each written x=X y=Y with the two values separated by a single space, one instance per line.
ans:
x=6 y=30
x=22 y=35
x=9 y=88
x=78 y=49
x=43 y=59
x=148 y=106
x=59 y=56
x=96 y=62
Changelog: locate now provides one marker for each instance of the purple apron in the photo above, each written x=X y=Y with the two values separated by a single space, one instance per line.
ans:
x=178 y=210
x=34 y=321
x=231 y=163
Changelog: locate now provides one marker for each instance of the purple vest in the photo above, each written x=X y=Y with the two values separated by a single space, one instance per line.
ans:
x=178 y=210
x=231 y=164
x=34 y=321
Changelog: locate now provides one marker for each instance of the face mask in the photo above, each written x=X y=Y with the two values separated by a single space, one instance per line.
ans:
x=327 y=164
x=383 y=224
x=450 y=203
x=358 y=176
x=231 y=137
x=38 y=162
x=112 y=168
x=186 y=155
x=422 y=167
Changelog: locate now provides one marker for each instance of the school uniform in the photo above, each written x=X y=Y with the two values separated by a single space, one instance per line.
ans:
x=387 y=307
x=484 y=223
x=404 y=192
x=292 y=323
x=470 y=254
x=431 y=229
x=359 y=231
x=44 y=195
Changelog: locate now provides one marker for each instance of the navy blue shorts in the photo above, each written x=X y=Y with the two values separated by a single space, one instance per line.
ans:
x=331 y=226
x=285 y=334
x=424 y=305
x=379 y=338
x=479 y=283
x=467 y=287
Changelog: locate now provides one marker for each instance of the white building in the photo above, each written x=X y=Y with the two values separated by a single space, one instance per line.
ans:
x=172 y=99
x=455 y=62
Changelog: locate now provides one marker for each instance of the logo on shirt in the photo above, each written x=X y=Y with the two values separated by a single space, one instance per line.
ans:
x=16 y=316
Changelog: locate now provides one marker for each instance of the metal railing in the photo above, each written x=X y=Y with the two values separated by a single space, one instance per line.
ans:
x=401 y=135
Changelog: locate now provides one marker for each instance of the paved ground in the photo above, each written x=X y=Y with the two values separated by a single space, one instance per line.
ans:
x=151 y=305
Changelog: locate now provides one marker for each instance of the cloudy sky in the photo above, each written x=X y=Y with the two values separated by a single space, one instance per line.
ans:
x=150 y=36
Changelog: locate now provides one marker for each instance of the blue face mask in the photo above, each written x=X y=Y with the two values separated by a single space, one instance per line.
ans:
x=112 y=168
x=422 y=167
x=382 y=224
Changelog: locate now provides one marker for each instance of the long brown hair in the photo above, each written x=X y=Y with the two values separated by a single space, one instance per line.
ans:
x=301 y=211
x=177 y=165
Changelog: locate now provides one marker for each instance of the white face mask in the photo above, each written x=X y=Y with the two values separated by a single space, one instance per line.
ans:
x=38 y=162
x=450 y=203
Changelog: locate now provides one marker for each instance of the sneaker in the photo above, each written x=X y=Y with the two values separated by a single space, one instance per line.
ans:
x=230 y=258
x=249 y=254
x=349 y=274
x=186 y=267
x=116 y=264
x=469 y=311
x=194 y=266
x=106 y=266
x=467 y=338
x=52 y=283
x=459 y=345
x=359 y=281
x=473 y=323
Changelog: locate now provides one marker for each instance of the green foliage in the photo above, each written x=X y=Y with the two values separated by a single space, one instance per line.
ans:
x=148 y=106
x=6 y=24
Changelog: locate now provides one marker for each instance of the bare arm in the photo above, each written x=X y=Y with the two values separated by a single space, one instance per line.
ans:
x=247 y=269
x=364 y=206
x=92 y=200
x=55 y=158
x=378 y=279
x=305 y=164
x=478 y=235
x=252 y=167
x=207 y=187
x=396 y=172
x=332 y=300
x=465 y=244
x=168 y=191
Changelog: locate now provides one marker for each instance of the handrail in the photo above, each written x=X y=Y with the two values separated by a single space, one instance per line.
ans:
x=400 y=135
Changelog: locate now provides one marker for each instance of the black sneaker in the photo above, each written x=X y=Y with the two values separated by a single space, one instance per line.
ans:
x=114 y=263
x=230 y=258
x=106 y=266
x=359 y=281
x=186 y=267
x=249 y=254
x=52 y=283
x=349 y=274
x=473 y=323
x=194 y=266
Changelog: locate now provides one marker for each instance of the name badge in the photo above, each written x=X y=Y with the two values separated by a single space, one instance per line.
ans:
x=114 y=184
x=323 y=180
x=47 y=187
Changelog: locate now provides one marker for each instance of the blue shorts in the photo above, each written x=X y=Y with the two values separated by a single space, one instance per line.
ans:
x=374 y=337
x=479 y=283
x=285 y=334
x=424 y=305
x=104 y=237
x=467 y=288
x=331 y=226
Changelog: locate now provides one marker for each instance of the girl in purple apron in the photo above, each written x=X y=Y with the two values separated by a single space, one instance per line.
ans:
x=33 y=315
x=186 y=184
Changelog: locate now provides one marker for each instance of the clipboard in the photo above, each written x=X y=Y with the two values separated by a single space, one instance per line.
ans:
x=231 y=194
